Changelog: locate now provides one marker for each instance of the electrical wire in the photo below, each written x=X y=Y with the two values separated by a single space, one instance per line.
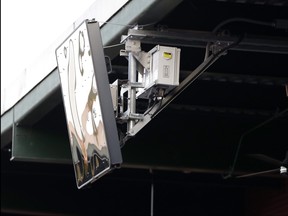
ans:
x=241 y=19
x=113 y=45
x=236 y=19
x=119 y=24
x=125 y=25
x=277 y=115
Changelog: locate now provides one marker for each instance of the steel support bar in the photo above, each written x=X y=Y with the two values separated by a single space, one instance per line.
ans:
x=132 y=73
x=200 y=39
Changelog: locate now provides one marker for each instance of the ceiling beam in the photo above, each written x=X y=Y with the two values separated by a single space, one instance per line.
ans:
x=200 y=39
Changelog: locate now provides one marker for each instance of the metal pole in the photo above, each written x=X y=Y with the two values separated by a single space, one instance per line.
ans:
x=132 y=65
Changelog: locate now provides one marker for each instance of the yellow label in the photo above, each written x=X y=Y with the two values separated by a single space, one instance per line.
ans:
x=167 y=55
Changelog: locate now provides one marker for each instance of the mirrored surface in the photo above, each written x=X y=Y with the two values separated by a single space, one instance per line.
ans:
x=82 y=106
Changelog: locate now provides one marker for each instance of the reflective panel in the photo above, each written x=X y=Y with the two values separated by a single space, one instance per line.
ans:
x=88 y=104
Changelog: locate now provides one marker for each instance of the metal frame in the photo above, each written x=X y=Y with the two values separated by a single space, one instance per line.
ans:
x=201 y=38
x=136 y=37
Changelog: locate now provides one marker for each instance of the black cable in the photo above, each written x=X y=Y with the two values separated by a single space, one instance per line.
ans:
x=241 y=19
x=231 y=172
x=236 y=19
